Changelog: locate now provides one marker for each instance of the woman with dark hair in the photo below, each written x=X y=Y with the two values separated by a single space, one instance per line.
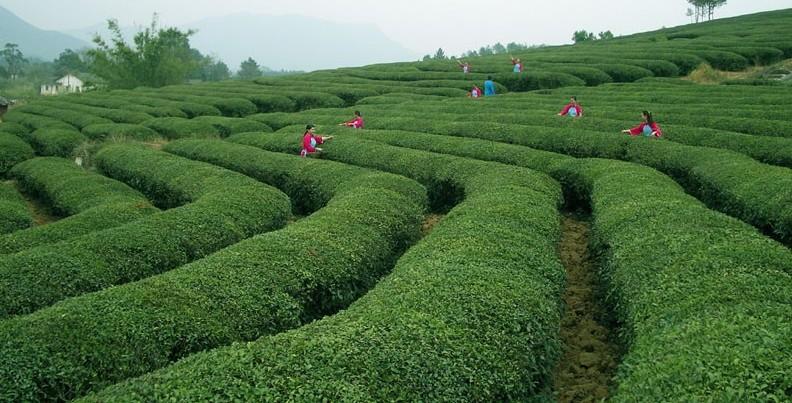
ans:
x=572 y=109
x=311 y=141
x=649 y=128
x=356 y=123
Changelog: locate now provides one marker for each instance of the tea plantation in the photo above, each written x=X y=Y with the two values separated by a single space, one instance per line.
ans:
x=193 y=255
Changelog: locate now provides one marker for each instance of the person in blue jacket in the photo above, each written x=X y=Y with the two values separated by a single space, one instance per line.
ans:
x=489 y=87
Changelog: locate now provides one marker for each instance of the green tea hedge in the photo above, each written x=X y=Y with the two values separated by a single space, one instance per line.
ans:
x=14 y=213
x=90 y=202
x=175 y=128
x=56 y=142
x=470 y=313
x=12 y=151
x=222 y=208
x=263 y=285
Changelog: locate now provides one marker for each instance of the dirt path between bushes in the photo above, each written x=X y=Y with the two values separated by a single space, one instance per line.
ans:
x=590 y=357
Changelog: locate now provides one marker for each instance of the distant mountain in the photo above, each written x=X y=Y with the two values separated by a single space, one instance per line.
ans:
x=32 y=41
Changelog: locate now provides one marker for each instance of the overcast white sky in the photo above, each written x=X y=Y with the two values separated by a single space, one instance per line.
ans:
x=420 y=25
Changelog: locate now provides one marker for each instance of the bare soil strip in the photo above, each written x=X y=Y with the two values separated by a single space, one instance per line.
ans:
x=590 y=358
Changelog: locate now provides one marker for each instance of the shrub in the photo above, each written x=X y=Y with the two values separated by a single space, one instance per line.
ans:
x=76 y=119
x=15 y=129
x=103 y=131
x=470 y=313
x=12 y=151
x=366 y=219
x=724 y=60
x=191 y=109
x=174 y=128
x=35 y=122
x=593 y=77
x=530 y=81
x=624 y=73
x=702 y=298
x=228 y=126
x=14 y=214
x=114 y=115
x=228 y=106
x=56 y=142
x=223 y=209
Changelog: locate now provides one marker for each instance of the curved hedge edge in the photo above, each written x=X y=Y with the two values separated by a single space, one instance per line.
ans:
x=14 y=213
x=225 y=208
x=262 y=285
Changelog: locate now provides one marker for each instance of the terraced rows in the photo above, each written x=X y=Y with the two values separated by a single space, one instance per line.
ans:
x=196 y=257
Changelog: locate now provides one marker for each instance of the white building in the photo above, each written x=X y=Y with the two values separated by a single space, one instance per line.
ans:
x=66 y=85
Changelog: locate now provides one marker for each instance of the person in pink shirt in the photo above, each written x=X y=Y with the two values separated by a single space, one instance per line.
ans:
x=649 y=128
x=518 y=66
x=572 y=109
x=356 y=123
x=465 y=66
x=311 y=140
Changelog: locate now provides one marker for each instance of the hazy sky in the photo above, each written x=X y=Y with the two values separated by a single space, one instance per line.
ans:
x=420 y=25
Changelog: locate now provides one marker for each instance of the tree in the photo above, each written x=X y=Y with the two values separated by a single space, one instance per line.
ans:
x=14 y=60
x=68 y=62
x=705 y=9
x=603 y=36
x=583 y=36
x=498 y=48
x=218 y=71
x=249 y=70
x=208 y=68
x=513 y=47
x=690 y=14
x=159 y=57
x=440 y=54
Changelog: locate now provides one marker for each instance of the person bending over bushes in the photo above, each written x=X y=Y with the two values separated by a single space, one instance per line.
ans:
x=475 y=92
x=649 y=128
x=311 y=140
x=517 y=63
x=356 y=123
x=572 y=109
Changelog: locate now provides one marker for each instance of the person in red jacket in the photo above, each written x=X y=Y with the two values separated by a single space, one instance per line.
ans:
x=356 y=123
x=572 y=109
x=311 y=141
x=649 y=128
